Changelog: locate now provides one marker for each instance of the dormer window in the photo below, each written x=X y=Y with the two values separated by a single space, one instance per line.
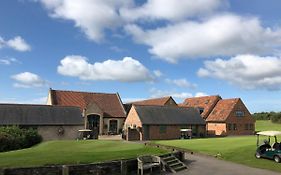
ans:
x=201 y=110
x=239 y=113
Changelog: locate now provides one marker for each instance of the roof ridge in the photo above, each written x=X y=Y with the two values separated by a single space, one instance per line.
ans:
x=21 y=104
x=231 y=98
x=204 y=96
x=84 y=92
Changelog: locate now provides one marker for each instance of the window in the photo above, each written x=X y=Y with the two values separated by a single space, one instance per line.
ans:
x=246 y=126
x=234 y=126
x=229 y=126
x=201 y=110
x=251 y=127
x=162 y=129
x=239 y=113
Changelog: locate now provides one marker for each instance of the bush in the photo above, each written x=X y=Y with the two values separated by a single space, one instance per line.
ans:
x=263 y=115
x=12 y=138
x=32 y=138
x=276 y=118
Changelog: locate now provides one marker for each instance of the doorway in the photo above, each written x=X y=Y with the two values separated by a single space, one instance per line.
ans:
x=113 y=126
x=94 y=125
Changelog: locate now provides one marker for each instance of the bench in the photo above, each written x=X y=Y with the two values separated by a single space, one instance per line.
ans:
x=148 y=162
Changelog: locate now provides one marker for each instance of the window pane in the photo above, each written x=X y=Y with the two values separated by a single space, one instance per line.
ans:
x=162 y=128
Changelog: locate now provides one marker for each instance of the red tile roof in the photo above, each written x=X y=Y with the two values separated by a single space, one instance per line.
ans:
x=154 y=101
x=206 y=102
x=110 y=104
x=222 y=110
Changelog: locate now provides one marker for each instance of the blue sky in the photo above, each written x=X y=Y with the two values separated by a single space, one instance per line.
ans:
x=142 y=49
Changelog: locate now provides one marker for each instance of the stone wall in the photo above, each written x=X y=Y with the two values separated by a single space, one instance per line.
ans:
x=118 y=167
x=56 y=133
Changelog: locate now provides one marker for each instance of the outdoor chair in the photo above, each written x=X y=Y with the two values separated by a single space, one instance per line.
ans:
x=148 y=162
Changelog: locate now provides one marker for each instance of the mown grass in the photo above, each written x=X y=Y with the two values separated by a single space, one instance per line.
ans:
x=74 y=152
x=236 y=149
x=263 y=125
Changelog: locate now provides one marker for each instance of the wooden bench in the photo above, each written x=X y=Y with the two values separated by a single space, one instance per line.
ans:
x=148 y=162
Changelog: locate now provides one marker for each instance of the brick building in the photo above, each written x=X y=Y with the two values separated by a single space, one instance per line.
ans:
x=223 y=116
x=162 y=101
x=162 y=122
x=103 y=112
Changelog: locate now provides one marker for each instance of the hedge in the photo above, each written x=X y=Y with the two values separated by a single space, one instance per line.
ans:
x=13 y=138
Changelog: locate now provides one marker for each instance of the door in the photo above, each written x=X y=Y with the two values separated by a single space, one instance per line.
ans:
x=94 y=125
x=113 y=126
x=145 y=132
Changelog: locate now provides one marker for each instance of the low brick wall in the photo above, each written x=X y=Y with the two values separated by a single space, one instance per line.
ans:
x=118 y=167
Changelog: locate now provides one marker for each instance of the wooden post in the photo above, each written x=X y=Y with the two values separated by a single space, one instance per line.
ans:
x=123 y=167
x=65 y=170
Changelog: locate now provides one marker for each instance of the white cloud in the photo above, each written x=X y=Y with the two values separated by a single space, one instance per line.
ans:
x=125 y=70
x=158 y=73
x=8 y=61
x=155 y=93
x=181 y=83
x=246 y=71
x=224 y=35
x=41 y=100
x=128 y=100
x=28 y=80
x=93 y=17
x=171 y=10
x=17 y=43
x=200 y=94
x=2 y=42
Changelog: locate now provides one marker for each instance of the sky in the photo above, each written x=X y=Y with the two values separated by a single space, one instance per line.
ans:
x=142 y=49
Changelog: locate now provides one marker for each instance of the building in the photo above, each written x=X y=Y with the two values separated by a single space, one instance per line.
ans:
x=103 y=112
x=230 y=117
x=204 y=104
x=162 y=122
x=162 y=101
x=51 y=122
x=223 y=116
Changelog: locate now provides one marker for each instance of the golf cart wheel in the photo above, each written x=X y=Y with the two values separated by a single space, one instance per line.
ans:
x=277 y=159
x=258 y=155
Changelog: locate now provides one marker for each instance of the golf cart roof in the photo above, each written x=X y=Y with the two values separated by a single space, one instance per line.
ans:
x=84 y=130
x=269 y=133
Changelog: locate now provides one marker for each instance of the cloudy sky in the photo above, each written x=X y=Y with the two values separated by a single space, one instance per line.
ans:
x=142 y=49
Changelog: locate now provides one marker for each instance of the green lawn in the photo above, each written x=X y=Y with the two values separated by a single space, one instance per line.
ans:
x=263 y=125
x=235 y=149
x=73 y=152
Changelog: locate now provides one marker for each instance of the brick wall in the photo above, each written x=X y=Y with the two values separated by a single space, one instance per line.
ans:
x=218 y=129
x=133 y=134
x=240 y=121
x=172 y=132
x=132 y=119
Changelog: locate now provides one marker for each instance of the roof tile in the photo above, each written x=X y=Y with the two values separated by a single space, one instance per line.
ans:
x=110 y=104
x=222 y=110
x=206 y=102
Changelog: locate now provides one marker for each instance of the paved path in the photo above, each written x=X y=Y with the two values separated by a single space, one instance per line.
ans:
x=201 y=165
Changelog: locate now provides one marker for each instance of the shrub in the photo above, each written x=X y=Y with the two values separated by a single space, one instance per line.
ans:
x=12 y=138
x=32 y=138
x=276 y=118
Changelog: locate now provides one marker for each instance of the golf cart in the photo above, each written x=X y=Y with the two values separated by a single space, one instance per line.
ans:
x=266 y=150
